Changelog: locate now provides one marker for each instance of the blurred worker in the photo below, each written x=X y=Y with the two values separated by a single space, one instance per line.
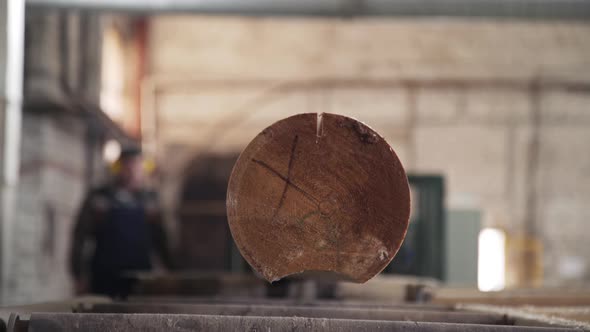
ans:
x=123 y=221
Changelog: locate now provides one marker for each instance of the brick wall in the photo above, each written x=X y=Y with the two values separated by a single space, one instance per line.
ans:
x=488 y=104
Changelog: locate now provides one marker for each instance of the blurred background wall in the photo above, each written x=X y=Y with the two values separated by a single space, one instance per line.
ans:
x=63 y=131
x=500 y=108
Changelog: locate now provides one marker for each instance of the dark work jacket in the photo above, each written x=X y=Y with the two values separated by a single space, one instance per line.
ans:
x=126 y=229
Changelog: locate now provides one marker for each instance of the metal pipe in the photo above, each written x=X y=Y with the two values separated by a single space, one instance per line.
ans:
x=228 y=300
x=546 y=9
x=12 y=21
x=281 y=7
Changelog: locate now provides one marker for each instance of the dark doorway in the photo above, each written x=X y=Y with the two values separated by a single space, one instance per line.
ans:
x=422 y=253
x=205 y=238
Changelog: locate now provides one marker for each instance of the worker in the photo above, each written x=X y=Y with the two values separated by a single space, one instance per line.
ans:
x=121 y=224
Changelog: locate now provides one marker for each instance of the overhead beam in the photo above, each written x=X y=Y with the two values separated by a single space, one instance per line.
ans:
x=530 y=9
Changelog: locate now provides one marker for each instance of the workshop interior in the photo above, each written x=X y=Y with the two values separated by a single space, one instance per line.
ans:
x=161 y=160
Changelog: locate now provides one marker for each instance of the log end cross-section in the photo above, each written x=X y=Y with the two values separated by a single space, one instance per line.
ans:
x=318 y=193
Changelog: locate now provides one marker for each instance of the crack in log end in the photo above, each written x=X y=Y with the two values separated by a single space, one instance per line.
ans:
x=319 y=127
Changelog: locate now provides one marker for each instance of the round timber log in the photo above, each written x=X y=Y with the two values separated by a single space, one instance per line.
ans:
x=318 y=193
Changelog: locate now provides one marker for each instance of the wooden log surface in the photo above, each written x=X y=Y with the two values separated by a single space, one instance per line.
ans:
x=318 y=193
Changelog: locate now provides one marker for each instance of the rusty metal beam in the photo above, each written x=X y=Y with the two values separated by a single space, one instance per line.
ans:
x=287 y=301
x=310 y=312
x=49 y=322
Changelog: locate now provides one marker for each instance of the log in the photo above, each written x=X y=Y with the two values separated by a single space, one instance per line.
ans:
x=318 y=193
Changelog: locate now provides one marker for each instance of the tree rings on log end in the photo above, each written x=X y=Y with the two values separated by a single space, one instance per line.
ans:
x=318 y=193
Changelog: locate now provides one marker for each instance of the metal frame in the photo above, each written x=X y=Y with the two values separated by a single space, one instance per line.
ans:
x=235 y=313
x=522 y=9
